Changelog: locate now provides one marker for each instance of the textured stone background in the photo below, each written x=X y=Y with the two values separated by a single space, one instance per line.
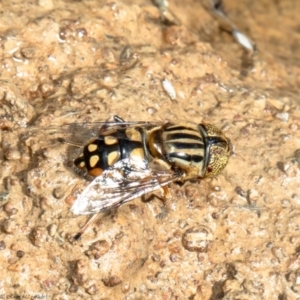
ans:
x=233 y=237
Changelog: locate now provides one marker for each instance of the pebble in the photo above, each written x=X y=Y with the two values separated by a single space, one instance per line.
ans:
x=169 y=88
x=10 y=209
x=111 y=281
x=294 y=278
x=197 y=239
x=58 y=193
x=20 y=253
x=28 y=52
x=283 y=116
x=12 y=154
x=73 y=288
x=151 y=110
x=39 y=236
x=92 y=289
x=52 y=229
x=243 y=40
x=98 y=249
x=9 y=226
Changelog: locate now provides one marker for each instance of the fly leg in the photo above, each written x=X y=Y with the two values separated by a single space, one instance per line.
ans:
x=166 y=193
x=88 y=224
x=64 y=141
x=166 y=15
x=92 y=220
x=118 y=119
x=105 y=128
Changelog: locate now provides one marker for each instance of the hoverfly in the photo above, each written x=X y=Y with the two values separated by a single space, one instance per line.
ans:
x=129 y=159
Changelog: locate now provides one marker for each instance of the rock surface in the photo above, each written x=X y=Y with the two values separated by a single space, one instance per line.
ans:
x=233 y=237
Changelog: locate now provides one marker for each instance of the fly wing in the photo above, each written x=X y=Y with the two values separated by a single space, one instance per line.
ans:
x=81 y=133
x=125 y=181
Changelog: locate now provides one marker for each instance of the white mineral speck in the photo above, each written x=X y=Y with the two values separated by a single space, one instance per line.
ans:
x=169 y=89
x=243 y=40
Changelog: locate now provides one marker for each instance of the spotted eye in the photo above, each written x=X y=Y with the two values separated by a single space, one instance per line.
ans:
x=209 y=170
x=219 y=148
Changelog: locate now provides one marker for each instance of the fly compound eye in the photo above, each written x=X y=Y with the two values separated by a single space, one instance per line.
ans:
x=218 y=150
x=218 y=158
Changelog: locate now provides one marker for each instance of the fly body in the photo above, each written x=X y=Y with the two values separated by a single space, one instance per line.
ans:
x=130 y=159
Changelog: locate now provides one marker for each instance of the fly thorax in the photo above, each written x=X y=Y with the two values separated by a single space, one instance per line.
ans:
x=184 y=147
x=155 y=143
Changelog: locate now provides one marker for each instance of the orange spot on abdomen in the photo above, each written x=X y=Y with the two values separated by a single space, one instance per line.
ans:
x=95 y=172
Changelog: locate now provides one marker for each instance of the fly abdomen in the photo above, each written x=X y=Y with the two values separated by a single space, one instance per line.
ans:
x=101 y=153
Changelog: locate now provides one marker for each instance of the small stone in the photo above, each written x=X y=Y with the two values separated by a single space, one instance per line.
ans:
x=169 y=88
x=81 y=272
x=278 y=252
x=10 y=209
x=73 y=288
x=20 y=253
x=285 y=137
x=156 y=257
x=58 y=193
x=126 y=53
x=285 y=203
x=174 y=257
x=39 y=236
x=293 y=127
x=294 y=279
x=215 y=215
x=111 y=281
x=25 y=158
x=241 y=192
x=46 y=88
x=3 y=198
x=15 y=267
x=283 y=116
x=182 y=223
x=197 y=239
x=125 y=287
x=81 y=32
x=151 y=110
x=252 y=196
x=52 y=229
x=9 y=226
x=92 y=289
x=28 y=52
x=98 y=249
x=12 y=154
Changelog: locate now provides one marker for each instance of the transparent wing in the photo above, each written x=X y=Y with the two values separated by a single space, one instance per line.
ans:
x=87 y=131
x=83 y=132
x=125 y=181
